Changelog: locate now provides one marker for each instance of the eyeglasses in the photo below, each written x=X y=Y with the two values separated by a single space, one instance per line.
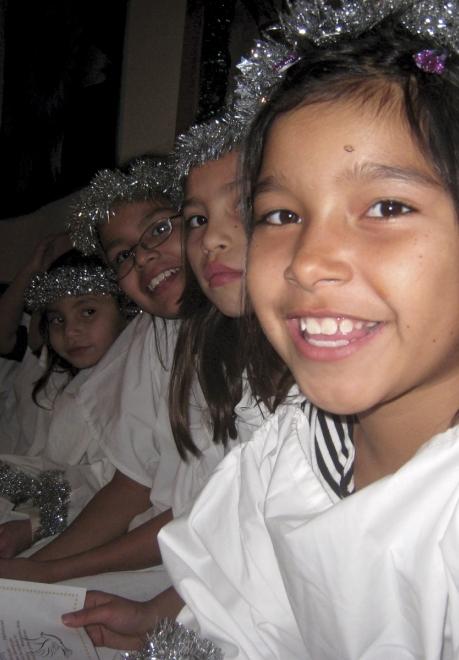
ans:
x=153 y=236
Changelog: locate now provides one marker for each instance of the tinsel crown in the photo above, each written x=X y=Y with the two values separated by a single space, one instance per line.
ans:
x=145 y=179
x=317 y=22
x=207 y=141
x=46 y=288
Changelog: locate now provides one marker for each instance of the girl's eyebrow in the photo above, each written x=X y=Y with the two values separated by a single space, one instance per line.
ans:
x=145 y=220
x=225 y=188
x=379 y=171
x=268 y=184
x=368 y=171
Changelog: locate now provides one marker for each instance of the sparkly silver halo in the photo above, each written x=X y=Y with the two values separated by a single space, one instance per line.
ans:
x=145 y=179
x=315 y=21
x=207 y=141
x=170 y=640
x=65 y=281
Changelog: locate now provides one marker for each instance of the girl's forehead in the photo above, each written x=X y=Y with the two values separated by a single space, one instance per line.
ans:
x=212 y=175
x=342 y=135
x=133 y=217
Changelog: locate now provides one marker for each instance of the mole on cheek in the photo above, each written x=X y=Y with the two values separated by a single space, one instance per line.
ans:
x=349 y=148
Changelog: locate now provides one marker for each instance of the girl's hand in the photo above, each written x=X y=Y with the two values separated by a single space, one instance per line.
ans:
x=113 y=621
x=46 y=251
x=15 y=536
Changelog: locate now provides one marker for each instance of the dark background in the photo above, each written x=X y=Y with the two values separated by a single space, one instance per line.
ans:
x=60 y=90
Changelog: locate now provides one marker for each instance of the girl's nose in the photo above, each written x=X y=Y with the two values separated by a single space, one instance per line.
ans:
x=320 y=258
x=143 y=255
x=72 y=329
x=215 y=238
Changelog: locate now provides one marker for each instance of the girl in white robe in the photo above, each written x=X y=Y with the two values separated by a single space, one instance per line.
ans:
x=335 y=548
x=81 y=316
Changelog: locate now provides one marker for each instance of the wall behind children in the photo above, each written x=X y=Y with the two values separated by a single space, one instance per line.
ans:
x=98 y=83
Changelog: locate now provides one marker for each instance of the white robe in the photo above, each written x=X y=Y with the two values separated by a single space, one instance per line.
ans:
x=131 y=418
x=61 y=435
x=273 y=566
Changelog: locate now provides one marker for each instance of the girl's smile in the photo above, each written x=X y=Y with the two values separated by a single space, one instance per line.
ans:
x=353 y=266
x=329 y=336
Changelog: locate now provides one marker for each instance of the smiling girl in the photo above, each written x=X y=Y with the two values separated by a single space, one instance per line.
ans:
x=343 y=507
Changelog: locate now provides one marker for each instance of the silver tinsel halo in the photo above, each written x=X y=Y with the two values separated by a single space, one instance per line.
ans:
x=45 y=288
x=144 y=180
x=172 y=641
x=49 y=492
x=317 y=22
x=206 y=141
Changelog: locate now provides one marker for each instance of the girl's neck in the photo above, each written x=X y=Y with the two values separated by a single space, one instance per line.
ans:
x=386 y=437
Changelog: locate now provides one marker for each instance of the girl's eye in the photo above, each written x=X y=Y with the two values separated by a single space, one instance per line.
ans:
x=280 y=217
x=196 y=221
x=55 y=320
x=160 y=228
x=120 y=257
x=388 y=208
x=90 y=311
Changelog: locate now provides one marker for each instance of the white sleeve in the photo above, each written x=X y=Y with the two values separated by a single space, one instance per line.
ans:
x=194 y=473
x=222 y=562
x=125 y=400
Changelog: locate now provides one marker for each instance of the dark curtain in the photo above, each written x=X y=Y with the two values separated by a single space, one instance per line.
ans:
x=60 y=97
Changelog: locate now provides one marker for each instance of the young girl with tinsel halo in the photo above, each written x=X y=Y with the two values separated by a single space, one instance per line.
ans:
x=344 y=545
x=82 y=312
x=20 y=341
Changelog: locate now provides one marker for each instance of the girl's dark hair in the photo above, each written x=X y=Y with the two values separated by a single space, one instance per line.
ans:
x=55 y=363
x=376 y=67
x=208 y=346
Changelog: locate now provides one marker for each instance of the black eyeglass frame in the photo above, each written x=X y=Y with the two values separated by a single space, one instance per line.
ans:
x=131 y=256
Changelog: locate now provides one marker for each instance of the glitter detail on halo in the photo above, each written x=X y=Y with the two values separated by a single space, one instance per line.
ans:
x=430 y=61
x=145 y=179
x=317 y=23
x=45 y=288
x=170 y=640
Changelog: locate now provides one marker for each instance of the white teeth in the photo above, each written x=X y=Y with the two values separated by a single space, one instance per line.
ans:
x=161 y=277
x=346 y=326
x=331 y=326
x=329 y=343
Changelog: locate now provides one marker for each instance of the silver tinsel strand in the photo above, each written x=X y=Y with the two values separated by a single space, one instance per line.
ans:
x=49 y=493
x=207 y=141
x=45 y=288
x=145 y=179
x=172 y=641
x=316 y=22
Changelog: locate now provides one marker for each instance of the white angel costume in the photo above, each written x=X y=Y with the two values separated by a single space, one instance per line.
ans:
x=276 y=564
x=131 y=417
x=62 y=437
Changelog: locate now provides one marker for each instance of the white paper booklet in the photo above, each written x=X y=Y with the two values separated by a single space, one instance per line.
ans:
x=30 y=622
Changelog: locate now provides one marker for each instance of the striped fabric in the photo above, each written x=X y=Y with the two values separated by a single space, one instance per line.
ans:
x=332 y=450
